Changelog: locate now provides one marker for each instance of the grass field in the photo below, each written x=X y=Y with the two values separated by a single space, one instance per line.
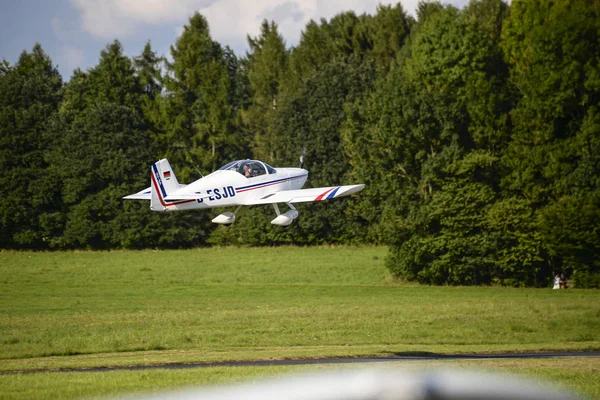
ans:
x=570 y=375
x=86 y=309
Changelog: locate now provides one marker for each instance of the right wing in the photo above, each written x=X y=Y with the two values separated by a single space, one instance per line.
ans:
x=302 y=195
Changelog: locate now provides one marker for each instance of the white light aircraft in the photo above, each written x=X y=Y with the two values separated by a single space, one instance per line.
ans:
x=239 y=183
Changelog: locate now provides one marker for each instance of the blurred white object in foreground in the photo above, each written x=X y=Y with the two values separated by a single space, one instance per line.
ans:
x=377 y=385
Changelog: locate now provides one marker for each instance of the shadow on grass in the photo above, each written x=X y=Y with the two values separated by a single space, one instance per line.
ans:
x=427 y=355
x=413 y=354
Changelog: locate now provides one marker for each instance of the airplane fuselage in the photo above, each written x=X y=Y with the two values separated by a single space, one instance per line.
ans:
x=238 y=183
x=225 y=188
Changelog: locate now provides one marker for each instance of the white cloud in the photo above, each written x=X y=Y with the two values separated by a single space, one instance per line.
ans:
x=102 y=19
x=229 y=20
x=108 y=19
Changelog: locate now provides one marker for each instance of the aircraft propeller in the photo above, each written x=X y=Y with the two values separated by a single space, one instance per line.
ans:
x=302 y=154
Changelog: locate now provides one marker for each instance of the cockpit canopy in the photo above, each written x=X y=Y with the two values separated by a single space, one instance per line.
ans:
x=249 y=168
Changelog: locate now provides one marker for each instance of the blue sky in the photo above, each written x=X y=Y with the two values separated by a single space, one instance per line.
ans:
x=73 y=32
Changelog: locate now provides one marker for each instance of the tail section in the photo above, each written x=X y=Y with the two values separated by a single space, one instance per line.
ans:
x=145 y=194
x=163 y=182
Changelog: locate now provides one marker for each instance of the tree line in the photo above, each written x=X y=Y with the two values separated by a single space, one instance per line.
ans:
x=476 y=131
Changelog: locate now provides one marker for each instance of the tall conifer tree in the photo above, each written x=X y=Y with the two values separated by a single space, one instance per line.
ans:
x=30 y=98
x=202 y=108
x=266 y=66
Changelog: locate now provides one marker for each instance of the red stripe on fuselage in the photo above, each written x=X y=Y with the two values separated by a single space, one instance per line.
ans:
x=161 y=199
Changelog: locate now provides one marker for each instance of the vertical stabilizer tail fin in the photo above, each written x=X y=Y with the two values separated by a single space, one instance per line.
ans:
x=163 y=182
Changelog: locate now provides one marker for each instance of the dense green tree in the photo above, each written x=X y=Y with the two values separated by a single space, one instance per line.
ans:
x=240 y=90
x=95 y=149
x=149 y=71
x=445 y=240
x=266 y=66
x=552 y=160
x=345 y=35
x=113 y=80
x=201 y=108
x=388 y=30
x=312 y=120
x=31 y=91
x=427 y=144
x=99 y=162
x=102 y=150
x=313 y=51
x=476 y=131
x=570 y=232
x=549 y=45
x=148 y=68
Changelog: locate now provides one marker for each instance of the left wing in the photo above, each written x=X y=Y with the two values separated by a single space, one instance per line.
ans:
x=302 y=195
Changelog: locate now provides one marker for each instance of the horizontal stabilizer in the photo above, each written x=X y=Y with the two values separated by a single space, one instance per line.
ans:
x=145 y=194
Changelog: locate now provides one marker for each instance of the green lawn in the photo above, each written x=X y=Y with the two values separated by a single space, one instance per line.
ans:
x=580 y=376
x=85 y=309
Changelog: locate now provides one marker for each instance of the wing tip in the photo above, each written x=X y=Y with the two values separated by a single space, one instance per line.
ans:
x=351 y=189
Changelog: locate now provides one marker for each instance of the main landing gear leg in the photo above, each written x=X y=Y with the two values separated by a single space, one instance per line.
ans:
x=237 y=209
x=287 y=217
x=276 y=208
